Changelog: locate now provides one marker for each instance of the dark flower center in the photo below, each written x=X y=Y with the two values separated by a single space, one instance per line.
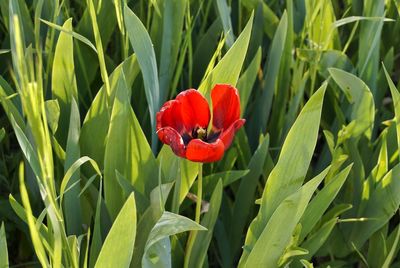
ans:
x=200 y=133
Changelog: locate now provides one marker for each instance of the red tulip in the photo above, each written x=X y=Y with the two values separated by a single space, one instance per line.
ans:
x=182 y=123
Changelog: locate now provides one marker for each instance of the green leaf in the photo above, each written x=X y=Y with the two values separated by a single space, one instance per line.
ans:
x=203 y=239
x=52 y=109
x=63 y=80
x=245 y=195
x=71 y=33
x=258 y=123
x=321 y=202
x=173 y=17
x=97 y=119
x=72 y=204
x=362 y=111
x=317 y=239
x=396 y=102
x=142 y=45
x=291 y=168
x=169 y=224
x=382 y=204
x=276 y=236
x=3 y=247
x=247 y=79
x=127 y=151
x=71 y=171
x=228 y=69
x=117 y=249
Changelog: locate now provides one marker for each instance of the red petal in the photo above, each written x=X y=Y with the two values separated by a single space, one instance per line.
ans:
x=169 y=116
x=200 y=151
x=227 y=135
x=195 y=111
x=226 y=105
x=171 y=137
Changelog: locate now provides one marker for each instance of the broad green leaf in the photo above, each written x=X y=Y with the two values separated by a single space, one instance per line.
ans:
x=3 y=247
x=2 y=134
x=117 y=249
x=63 y=81
x=275 y=237
x=321 y=202
x=203 y=239
x=289 y=173
x=228 y=69
x=127 y=151
x=362 y=112
x=169 y=224
x=97 y=119
x=317 y=239
x=142 y=45
x=72 y=204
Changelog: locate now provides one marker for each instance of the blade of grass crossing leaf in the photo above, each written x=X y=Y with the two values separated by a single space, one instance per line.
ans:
x=72 y=33
x=142 y=45
x=72 y=169
x=3 y=247
x=118 y=246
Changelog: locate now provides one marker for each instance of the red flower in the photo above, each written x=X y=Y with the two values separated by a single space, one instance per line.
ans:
x=182 y=123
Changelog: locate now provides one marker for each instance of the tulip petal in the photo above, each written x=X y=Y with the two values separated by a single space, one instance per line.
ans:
x=200 y=151
x=171 y=137
x=169 y=116
x=227 y=136
x=195 y=111
x=226 y=105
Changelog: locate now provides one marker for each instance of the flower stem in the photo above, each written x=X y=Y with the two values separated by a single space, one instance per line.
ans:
x=199 y=193
x=193 y=234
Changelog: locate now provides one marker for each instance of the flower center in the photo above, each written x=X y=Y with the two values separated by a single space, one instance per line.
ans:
x=201 y=133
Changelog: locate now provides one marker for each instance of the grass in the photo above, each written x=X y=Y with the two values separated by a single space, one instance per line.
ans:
x=312 y=180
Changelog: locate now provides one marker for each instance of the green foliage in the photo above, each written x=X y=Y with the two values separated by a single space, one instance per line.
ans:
x=311 y=180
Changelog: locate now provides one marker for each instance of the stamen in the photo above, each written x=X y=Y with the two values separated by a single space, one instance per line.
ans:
x=201 y=133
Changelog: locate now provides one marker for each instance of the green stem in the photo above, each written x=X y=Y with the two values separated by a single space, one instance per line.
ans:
x=199 y=193
x=192 y=235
